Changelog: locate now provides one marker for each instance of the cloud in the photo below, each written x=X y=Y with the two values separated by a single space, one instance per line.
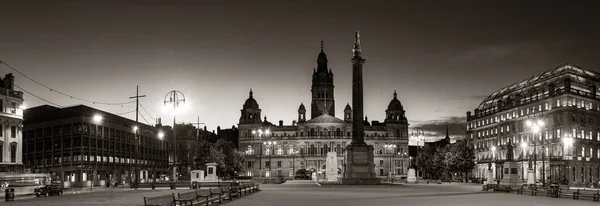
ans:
x=434 y=130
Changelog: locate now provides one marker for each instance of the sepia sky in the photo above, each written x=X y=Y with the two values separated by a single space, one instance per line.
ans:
x=442 y=58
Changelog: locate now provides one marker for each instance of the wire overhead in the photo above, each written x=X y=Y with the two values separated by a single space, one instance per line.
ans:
x=62 y=93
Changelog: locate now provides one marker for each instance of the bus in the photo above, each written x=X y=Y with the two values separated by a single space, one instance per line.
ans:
x=24 y=180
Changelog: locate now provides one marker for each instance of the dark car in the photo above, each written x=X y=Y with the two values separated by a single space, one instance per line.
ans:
x=48 y=190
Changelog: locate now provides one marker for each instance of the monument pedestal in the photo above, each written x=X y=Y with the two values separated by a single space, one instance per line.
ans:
x=490 y=177
x=531 y=177
x=412 y=176
x=360 y=168
x=511 y=174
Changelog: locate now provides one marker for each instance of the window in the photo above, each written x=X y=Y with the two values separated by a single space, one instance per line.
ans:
x=1 y=129
x=13 y=153
x=13 y=107
x=583 y=151
x=380 y=162
x=558 y=133
x=267 y=164
x=249 y=165
x=13 y=131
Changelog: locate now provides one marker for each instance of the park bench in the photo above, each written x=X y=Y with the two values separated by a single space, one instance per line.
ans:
x=221 y=193
x=566 y=192
x=527 y=189
x=593 y=194
x=235 y=190
x=254 y=186
x=162 y=200
x=190 y=198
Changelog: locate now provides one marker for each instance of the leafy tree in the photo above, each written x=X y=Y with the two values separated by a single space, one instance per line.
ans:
x=223 y=153
x=461 y=157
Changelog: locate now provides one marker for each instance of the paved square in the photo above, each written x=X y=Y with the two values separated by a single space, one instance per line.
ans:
x=306 y=193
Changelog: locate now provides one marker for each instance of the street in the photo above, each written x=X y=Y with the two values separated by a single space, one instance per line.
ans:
x=306 y=193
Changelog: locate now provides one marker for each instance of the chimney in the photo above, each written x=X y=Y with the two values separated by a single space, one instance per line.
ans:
x=280 y=123
x=9 y=81
x=294 y=123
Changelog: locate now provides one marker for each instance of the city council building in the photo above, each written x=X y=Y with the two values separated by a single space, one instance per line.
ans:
x=283 y=150
x=11 y=124
x=551 y=119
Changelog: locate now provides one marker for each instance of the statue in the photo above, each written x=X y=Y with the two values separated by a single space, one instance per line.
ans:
x=509 y=151
x=489 y=166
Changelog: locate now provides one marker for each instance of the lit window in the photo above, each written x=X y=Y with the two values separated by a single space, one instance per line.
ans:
x=583 y=151
x=540 y=107
x=507 y=128
x=558 y=133
x=574 y=133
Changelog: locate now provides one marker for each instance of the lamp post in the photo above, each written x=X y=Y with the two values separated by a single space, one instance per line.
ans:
x=160 y=135
x=97 y=119
x=260 y=133
x=390 y=147
x=419 y=135
x=567 y=141
x=494 y=154
x=536 y=127
x=523 y=147
x=136 y=163
x=271 y=146
x=294 y=152
x=174 y=98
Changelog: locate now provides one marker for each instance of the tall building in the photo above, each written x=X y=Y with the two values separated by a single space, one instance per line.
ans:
x=78 y=145
x=552 y=120
x=11 y=124
x=282 y=150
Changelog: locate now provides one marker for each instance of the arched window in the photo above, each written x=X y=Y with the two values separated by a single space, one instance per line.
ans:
x=398 y=133
x=324 y=150
x=312 y=132
x=325 y=132
x=338 y=132
x=338 y=149
x=312 y=150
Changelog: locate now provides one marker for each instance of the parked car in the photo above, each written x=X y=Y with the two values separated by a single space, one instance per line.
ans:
x=48 y=190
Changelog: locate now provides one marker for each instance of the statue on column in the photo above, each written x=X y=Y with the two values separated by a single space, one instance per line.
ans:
x=509 y=151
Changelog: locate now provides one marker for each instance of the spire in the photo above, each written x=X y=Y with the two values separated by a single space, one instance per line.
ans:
x=250 y=92
x=447 y=136
x=322 y=43
x=395 y=94
x=322 y=60
x=356 y=48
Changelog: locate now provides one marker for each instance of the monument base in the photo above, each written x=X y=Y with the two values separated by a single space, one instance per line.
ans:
x=412 y=177
x=531 y=177
x=511 y=176
x=360 y=167
x=490 y=177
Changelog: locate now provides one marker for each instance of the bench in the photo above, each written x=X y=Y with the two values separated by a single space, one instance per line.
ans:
x=253 y=186
x=221 y=192
x=552 y=192
x=563 y=191
x=594 y=194
x=235 y=190
x=529 y=189
x=190 y=198
x=162 y=200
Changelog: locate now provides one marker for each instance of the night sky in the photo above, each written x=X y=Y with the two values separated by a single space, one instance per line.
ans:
x=442 y=58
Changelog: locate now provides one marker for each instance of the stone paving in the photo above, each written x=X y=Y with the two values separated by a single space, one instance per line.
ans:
x=306 y=193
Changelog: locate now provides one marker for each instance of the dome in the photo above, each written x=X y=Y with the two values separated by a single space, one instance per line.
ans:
x=347 y=108
x=395 y=103
x=301 y=107
x=250 y=102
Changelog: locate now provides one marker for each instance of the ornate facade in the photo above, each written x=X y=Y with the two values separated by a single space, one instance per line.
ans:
x=553 y=121
x=281 y=150
x=11 y=125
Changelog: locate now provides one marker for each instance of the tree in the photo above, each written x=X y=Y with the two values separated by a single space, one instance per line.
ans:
x=462 y=157
x=223 y=153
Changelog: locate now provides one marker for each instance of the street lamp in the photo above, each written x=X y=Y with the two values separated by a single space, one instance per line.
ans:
x=136 y=165
x=568 y=141
x=174 y=98
x=294 y=152
x=160 y=136
x=494 y=154
x=260 y=133
x=523 y=147
x=536 y=126
x=271 y=146
x=97 y=118
x=390 y=147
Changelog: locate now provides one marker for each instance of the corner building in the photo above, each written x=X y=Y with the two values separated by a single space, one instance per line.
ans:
x=282 y=150
x=78 y=150
x=567 y=145
x=11 y=124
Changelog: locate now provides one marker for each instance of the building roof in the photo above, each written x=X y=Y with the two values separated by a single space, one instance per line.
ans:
x=325 y=118
x=543 y=79
x=250 y=102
